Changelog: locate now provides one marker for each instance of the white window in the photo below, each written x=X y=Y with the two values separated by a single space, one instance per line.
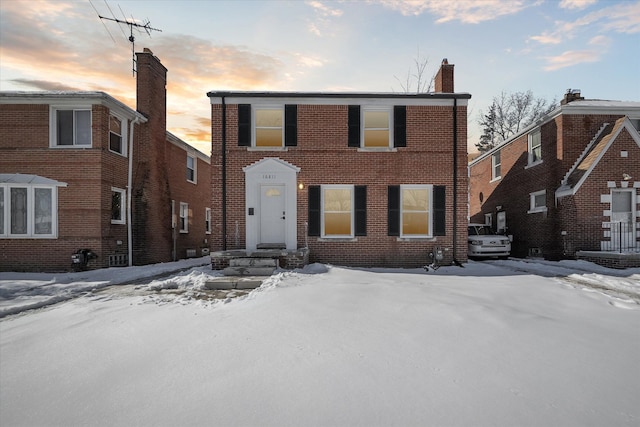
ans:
x=538 y=201
x=28 y=211
x=268 y=127
x=117 y=135
x=118 y=206
x=535 y=147
x=184 y=217
x=70 y=127
x=495 y=165
x=415 y=210
x=191 y=168
x=207 y=220
x=376 y=125
x=337 y=211
x=488 y=219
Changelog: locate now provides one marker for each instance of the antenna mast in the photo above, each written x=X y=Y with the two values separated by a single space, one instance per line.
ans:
x=144 y=26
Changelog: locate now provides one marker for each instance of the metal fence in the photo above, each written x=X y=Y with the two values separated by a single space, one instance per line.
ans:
x=608 y=237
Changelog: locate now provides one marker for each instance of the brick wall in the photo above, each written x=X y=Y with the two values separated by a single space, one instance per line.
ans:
x=563 y=138
x=324 y=158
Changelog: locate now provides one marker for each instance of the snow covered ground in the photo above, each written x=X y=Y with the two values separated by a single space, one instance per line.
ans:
x=500 y=343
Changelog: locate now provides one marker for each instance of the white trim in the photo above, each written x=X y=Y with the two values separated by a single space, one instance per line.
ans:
x=530 y=135
x=30 y=211
x=53 y=125
x=207 y=221
x=429 y=189
x=123 y=134
x=349 y=187
x=532 y=201
x=348 y=100
x=123 y=205
x=254 y=129
x=495 y=177
x=184 y=215
x=195 y=168
x=364 y=109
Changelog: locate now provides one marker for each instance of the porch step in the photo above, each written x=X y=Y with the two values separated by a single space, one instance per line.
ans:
x=224 y=283
x=253 y=262
x=248 y=271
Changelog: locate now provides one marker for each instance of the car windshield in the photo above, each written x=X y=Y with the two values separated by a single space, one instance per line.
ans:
x=480 y=230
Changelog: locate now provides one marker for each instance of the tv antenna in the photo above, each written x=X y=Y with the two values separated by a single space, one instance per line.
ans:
x=145 y=25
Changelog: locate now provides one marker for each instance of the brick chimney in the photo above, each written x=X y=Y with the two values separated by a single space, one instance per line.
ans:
x=570 y=96
x=444 y=79
x=151 y=192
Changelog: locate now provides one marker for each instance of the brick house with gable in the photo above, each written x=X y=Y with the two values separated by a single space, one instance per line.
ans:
x=356 y=179
x=81 y=170
x=568 y=186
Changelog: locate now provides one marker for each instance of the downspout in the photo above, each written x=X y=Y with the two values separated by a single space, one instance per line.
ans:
x=224 y=175
x=455 y=182
x=129 y=191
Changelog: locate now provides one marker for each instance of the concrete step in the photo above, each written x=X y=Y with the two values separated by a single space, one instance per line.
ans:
x=224 y=283
x=248 y=271
x=253 y=262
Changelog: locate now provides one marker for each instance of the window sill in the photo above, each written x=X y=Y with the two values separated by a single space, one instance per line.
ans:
x=184 y=231
x=537 y=210
x=118 y=222
x=530 y=165
x=496 y=179
x=192 y=182
x=267 y=148
x=337 y=239
x=118 y=154
x=416 y=239
x=377 y=150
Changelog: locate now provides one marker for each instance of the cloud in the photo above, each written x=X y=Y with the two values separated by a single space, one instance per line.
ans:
x=620 y=18
x=323 y=15
x=571 y=58
x=576 y=4
x=44 y=85
x=468 y=12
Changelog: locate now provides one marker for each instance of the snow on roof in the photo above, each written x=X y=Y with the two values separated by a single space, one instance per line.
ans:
x=21 y=178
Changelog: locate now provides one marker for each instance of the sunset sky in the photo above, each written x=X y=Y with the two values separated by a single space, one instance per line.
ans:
x=543 y=46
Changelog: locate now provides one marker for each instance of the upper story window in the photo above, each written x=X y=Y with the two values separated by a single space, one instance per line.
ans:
x=267 y=127
x=28 y=211
x=377 y=127
x=118 y=206
x=535 y=147
x=496 y=165
x=538 y=201
x=70 y=127
x=191 y=168
x=117 y=132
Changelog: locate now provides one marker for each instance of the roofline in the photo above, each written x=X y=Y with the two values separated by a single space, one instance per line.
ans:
x=187 y=147
x=566 y=109
x=103 y=98
x=337 y=95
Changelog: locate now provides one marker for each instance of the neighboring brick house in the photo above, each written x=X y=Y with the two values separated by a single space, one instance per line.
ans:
x=564 y=185
x=67 y=161
x=356 y=179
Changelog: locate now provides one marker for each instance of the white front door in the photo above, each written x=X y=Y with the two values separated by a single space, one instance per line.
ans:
x=272 y=215
x=622 y=224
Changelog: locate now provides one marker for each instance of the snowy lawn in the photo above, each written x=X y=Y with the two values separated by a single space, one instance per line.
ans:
x=492 y=344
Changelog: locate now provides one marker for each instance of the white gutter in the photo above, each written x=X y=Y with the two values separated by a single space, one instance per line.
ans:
x=129 y=190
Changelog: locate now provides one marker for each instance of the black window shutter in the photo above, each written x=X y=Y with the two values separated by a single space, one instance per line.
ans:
x=314 y=210
x=290 y=125
x=354 y=126
x=399 y=126
x=393 y=211
x=439 y=210
x=244 y=125
x=360 y=197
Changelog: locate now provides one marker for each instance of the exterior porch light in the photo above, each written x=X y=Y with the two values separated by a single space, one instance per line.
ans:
x=301 y=186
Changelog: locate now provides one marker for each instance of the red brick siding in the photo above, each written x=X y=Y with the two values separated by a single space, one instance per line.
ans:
x=323 y=156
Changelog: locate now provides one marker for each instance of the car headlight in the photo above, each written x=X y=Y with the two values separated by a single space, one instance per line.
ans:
x=505 y=241
x=476 y=242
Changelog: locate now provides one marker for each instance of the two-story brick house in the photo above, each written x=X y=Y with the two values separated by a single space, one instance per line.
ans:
x=81 y=170
x=358 y=179
x=565 y=186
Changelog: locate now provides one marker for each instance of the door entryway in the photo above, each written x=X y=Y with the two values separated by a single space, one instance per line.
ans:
x=622 y=219
x=273 y=216
x=271 y=205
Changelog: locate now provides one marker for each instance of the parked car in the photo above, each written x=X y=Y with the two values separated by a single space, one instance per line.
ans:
x=484 y=242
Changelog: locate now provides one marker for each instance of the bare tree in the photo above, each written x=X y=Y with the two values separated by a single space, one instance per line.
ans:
x=508 y=115
x=417 y=77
